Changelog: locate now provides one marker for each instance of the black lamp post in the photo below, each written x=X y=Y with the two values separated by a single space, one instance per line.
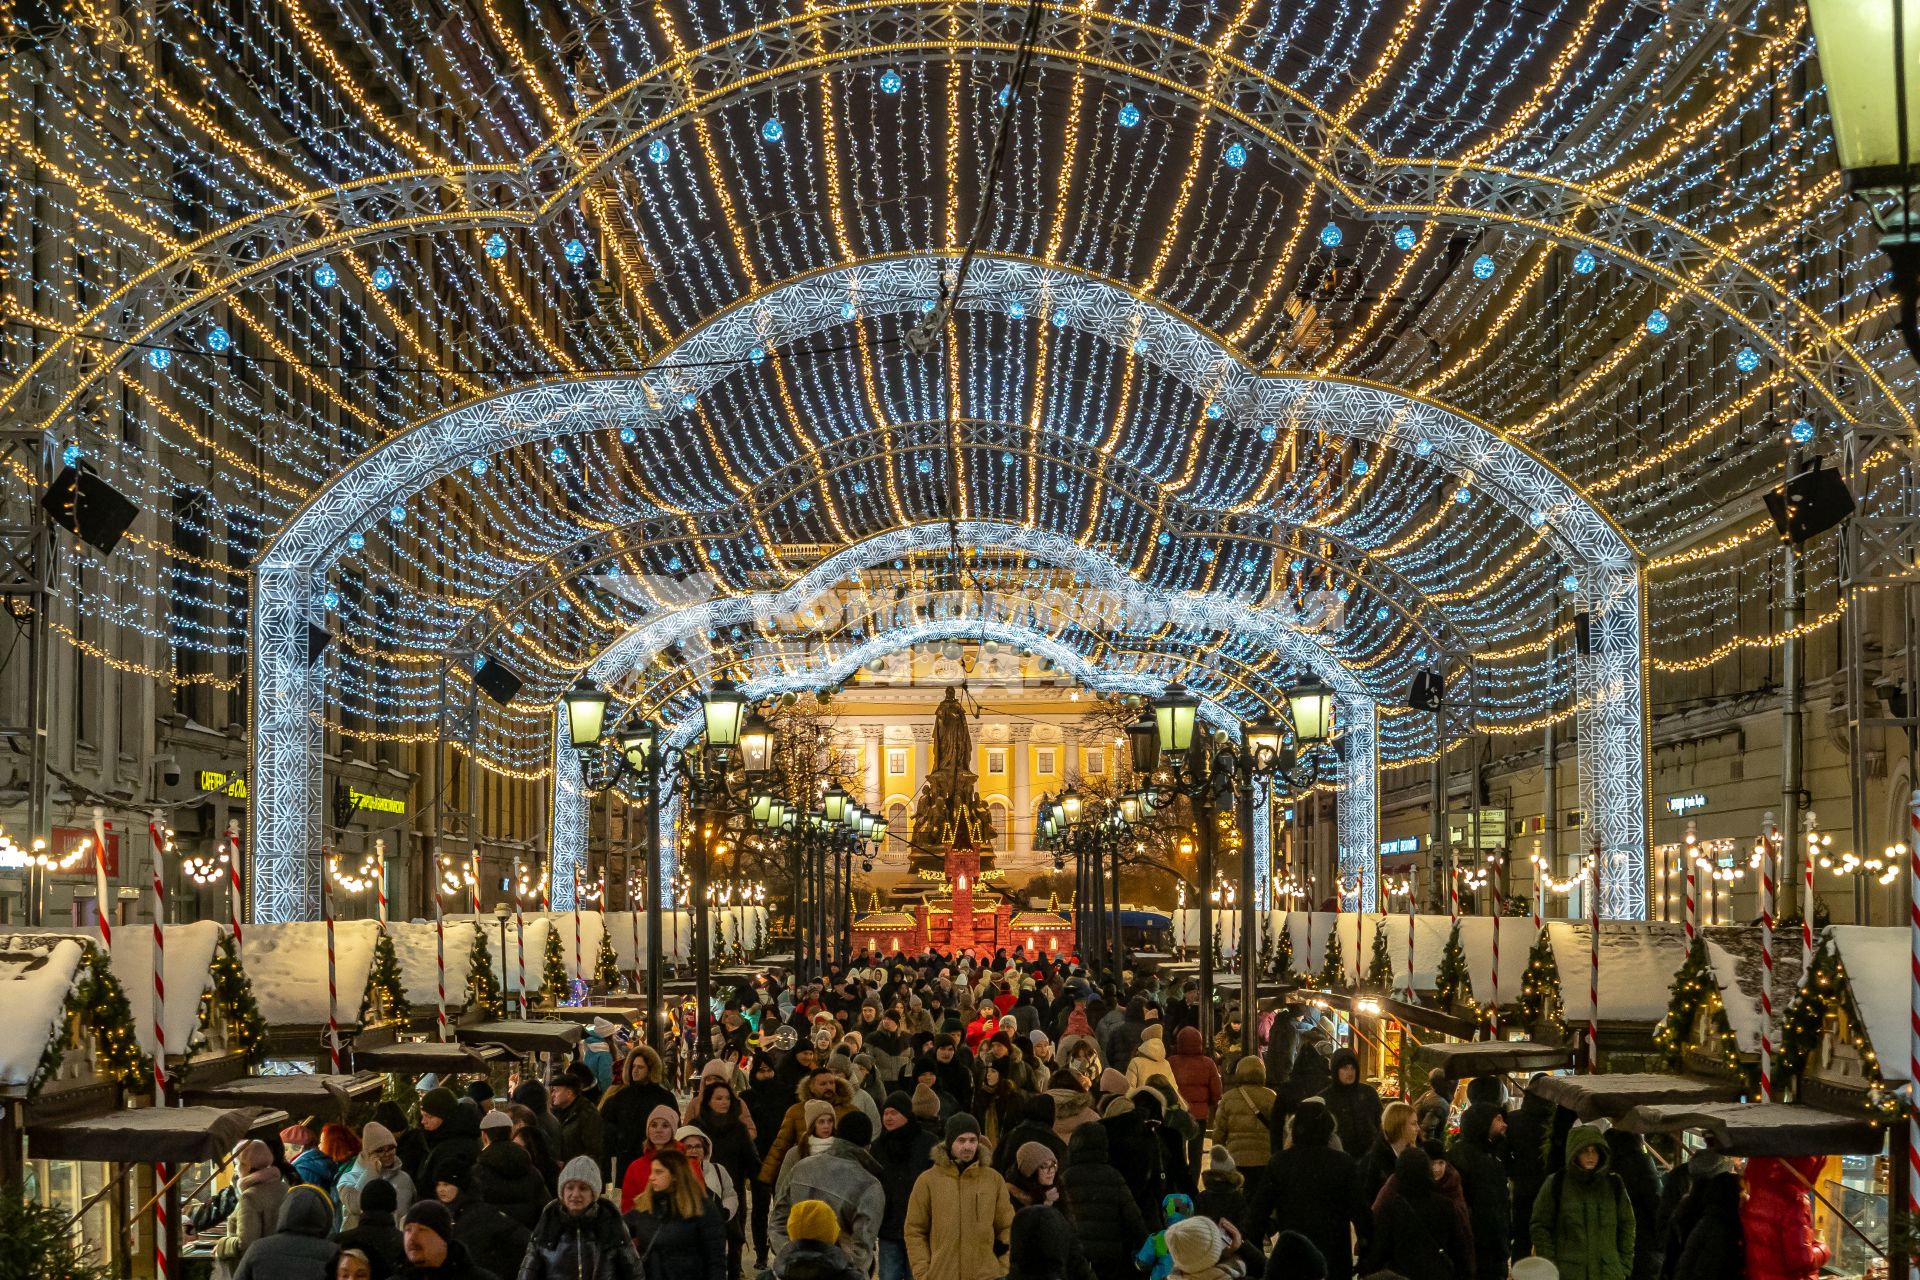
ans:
x=639 y=745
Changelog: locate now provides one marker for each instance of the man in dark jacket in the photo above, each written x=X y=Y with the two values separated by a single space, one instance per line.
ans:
x=1635 y=1168
x=1315 y=1191
x=1704 y=1239
x=504 y=1175
x=1100 y=1205
x=432 y=1252
x=1353 y=1103
x=1036 y=1125
x=377 y=1236
x=625 y=1111
x=298 y=1249
x=581 y=1130
x=1479 y=1154
x=904 y=1150
x=483 y=1229
x=1528 y=1130
x=453 y=1135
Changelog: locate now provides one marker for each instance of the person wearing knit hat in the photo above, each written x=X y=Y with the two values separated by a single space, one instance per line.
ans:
x=1223 y=1191
x=378 y=1234
x=379 y=1160
x=578 y=1227
x=1195 y=1247
x=299 y=1247
x=693 y=1140
x=951 y=1207
x=437 y=1106
x=428 y=1236
x=660 y=1129
x=256 y=1207
x=813 y=1251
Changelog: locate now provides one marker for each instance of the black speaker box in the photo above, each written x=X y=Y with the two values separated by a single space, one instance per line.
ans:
x=1428 y=691
x=497 y=681
x=88 y=507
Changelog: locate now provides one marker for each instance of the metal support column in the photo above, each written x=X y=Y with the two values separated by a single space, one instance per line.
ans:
x=1249 y=922
x=1203 y=848
x=655 y=915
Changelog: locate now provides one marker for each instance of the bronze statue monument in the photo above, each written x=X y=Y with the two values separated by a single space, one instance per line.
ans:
x=949 y=813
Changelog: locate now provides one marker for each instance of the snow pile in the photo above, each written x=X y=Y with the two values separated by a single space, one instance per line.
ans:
x=1733 y=953
x=416 y=948
x=36 y=974
x=189 y=974
x=1877 y=960
x=1637 y=962
x=287 y=964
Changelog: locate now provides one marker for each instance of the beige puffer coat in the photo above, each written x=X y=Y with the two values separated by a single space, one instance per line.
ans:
x=959 y=1221
x=1240 y=1121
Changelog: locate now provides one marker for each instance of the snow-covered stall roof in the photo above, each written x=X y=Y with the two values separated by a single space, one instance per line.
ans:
x=746 y=925
x=1877 y=960
x=287 y=964
x=1309 y=931
x=36 y=974
x=190 y=949
x=1733 y=953
x=416 y=950
x=1637 y=962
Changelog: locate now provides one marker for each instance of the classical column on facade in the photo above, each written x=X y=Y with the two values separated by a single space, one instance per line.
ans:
x=1020 y=817
x=875 y=745
x=922 y=756
x=1069 y=754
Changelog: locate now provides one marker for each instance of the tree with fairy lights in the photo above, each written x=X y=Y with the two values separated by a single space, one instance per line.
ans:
x=1451 y=983
x=230 y=998
x=483 y=985
x=1332 y=975
x=1695 y=990
x=97 y=1012
x=606 y=965
x=1282 y=966
x=1380 y=962
x=1540 y=999
x=554 y=986
x=385 y=998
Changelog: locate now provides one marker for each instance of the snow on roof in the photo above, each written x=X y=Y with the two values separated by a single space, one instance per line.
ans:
x=190 y=949
x=287 y=964
x=417 y=950
x=1429 y=942
x=36 y=973
x=676 y=933
x=1733 y=952
x=1637 y=962
x=1877 y=960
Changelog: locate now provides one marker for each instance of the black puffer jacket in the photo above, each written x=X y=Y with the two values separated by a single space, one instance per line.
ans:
x=1481 y=1160
x=674 y=1248
x=767 y=1103
x=454 y=1145
x=1706 y=1242
x=732 y=1146
x=624 y=1114
x=580 y=1246
x=1042 y=1246
x=1355 y=1107
x=489 y=1234
x=1417 y=1232
x=298 y=1249
x=505 y=1178
x=1099 y=1205
x=1316 y=1191
x=1528 y=1132
x=903 y=1154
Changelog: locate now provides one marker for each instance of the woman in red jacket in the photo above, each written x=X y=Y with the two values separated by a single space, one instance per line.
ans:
x=1199 y=1081
x=1777 y=1220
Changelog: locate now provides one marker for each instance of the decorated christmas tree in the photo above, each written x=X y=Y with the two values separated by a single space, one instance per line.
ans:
x=606 y=965
x=1540 y=1000
x=1451 y=984
x=1380 y=963
x=97 y=1010
x=385 y=999
x=483 y=985
x=1332 y=975
x=1282 y=967
x=554 y=987
x=231 y=999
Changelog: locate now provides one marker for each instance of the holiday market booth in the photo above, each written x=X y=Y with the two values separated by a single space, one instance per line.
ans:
x=1717 y=1002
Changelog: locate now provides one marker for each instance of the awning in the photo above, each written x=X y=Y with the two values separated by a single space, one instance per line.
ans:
x=148 y=1135
x=418 y=1057
x=299 y=1095
x=1595 y=1097
x=584 y=1014
x=1492 y=1057
x=1761 y=1129
x=524 y=1037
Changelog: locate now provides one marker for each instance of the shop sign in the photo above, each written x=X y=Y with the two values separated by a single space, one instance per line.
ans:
x=378 y=804
x=234 y=787
x=67 y=839
x=1405 y=844
x=1679 y=806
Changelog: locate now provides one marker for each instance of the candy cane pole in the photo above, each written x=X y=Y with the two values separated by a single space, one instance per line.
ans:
x=160 y=1172
x=233 y=883
x=380 y=877
x=159 y=972
x=520 y=950
x=1593 y=972
x=1410 y=994
x=1692 y=917
x=1913 y=997
x=1453 y=895
x=1806 y=917
x=473 y=882
x=577 y=972
x=1767 y=852
x=103 y=908
x=1539 y=895
x=1495 y=1018
x=440 y=958
x=333 y=986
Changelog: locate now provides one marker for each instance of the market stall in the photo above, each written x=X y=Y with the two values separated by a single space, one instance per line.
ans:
x=1714 y=1008
x=1609 y=1096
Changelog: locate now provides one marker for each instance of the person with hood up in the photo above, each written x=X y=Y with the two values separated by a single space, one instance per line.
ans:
x=580 y=1235
x=1041 y=1246
x=256 y=1210
x=676 y=1225
x=532 y=1095
x=1478 y=1154
x=1072 y=1105
x=1633 y=1165
x=641 y=1090
x=766 y=1105
x=1223 y=1191
x=1099 y=1204
x=1776 y=1221
x=959 y=1217
x=812 y=1251
x=378 y=1234
x=1354 y=1104
x=1153 y=1257
x=1583 y=1221
x=1243 y=1125
x=904 y=1150
x=1295 y=1258
x=660 y=1130
x=1419 y=1231
x=1149 y=1063
x=503 y=1175
x=483 y=1229
x=1314 y=1188
x=823 y=1085
x=1198 y=1079
x=452 y=1132
x=1704 y=1237
x=1435 y=1106
x=1153 y=1155
x=378 y=1161
x=432 y=1252
x=1528 y=1129
x=838 y=1171
x=299 y=1248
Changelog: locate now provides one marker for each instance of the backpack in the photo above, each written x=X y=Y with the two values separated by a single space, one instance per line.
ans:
x=1558 y=1183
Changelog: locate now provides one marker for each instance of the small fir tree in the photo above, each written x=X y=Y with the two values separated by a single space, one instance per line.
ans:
x=1380 y=962
x=385 y=999
x=483 y=985
x=1332 y=976
x=606 y=966
x=553 y=970
x=1540 y=1000
x=40 y=1241
x=231 y=996
x=1283 y=955
x=1452 y=984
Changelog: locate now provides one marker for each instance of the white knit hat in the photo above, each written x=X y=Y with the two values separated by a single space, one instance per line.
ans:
x=582 y=1169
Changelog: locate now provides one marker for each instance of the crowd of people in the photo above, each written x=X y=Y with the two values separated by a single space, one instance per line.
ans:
x=941 y=1119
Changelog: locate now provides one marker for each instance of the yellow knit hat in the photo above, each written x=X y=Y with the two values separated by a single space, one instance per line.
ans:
x=813 y=1220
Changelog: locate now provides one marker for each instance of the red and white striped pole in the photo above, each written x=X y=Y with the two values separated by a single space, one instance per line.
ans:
x=1410 y=993
x=1692 y=917
x=1593 y=972
x=1495 y=1018
x=1768 y=853
x=155 y=830
x=473 y=883
x=1540 y=872
x=380 y=878
x=333 y=986
x=1453 y=894
x=160 y=1174
x=633 y=927
x=440 y=960
x=520 y=950
x=234 y=908
x=1913 y=999
x=1806 y=918
x=103 y=907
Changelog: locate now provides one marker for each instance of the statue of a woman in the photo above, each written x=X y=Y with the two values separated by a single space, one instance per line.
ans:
x=952 y=747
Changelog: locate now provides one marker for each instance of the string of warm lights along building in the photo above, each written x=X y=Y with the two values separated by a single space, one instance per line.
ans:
x=531 y=530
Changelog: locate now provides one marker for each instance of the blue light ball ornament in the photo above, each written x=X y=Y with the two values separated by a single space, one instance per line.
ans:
x=575 y=252
x=325 y=276
x=1269 y=433
x=159 y=357
x=1405 y=238
x=758 y=355
x=218 y=339
x=860 y=487
x=890 y=81
x=396 y=513
x=1483 y=267
x=496 y=246
x=384 y=279
x=1236 y=156
x=1017 y=309
x=805 y=504
x=1657 y=322
x=356 y=541
x=773 y=130
x=1331 y=235
x=1746 y=359
x=848 y=311
x=628 y=435
x=687 y=401
x=924 y=466
x=1570 y=583
x=331 y=599
x=1802 y=432
x=478 y=466
x=658 y=151
x=1128 y=115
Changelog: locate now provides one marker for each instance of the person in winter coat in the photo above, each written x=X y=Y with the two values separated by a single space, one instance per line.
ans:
x=1583 y=1221
x=624 y=1111
x=377 y=1234
x=676 y=1225
x=1223 y=1192
x=812 y=1251
x=504 y=1176
x=580 y=1235
x=1202 y=1250
x=766 y=1104
x=1243 y=1125
x=959 y=1217
x=839 y=1172
x=1417 y=1230
x=1478 y=1154
x=378 y=1161
x=660 y=1129
x=1704 y=1238
x=1295 y=1258
x=532 y=1095
x=1153 y=1257
x=729 y=1131
x=904 y=1150
x=452 y=1132
x=1354 y=1104
x=1314 y=1189
x=484 y=1230
x=1399 y=1129
x=1035 y=1125
x=1034 y=1177
x=1634 y=1167
x=1042 y=1246
x=692 y=1139
x=1099 y=1204
x=1149 y=1062
x=320 y=1165
x=256 y=1210
x=1195 y=1074
x=582 y=1132
x=1072 y=1105
x=1528 y=1129
x=822 y=1085
x=1776 y=1220
x=432 y=1252
x=299 y=1248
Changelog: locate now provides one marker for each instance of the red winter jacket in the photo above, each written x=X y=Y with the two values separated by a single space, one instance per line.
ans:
x=1777 y=1220
x=1194 y=1072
